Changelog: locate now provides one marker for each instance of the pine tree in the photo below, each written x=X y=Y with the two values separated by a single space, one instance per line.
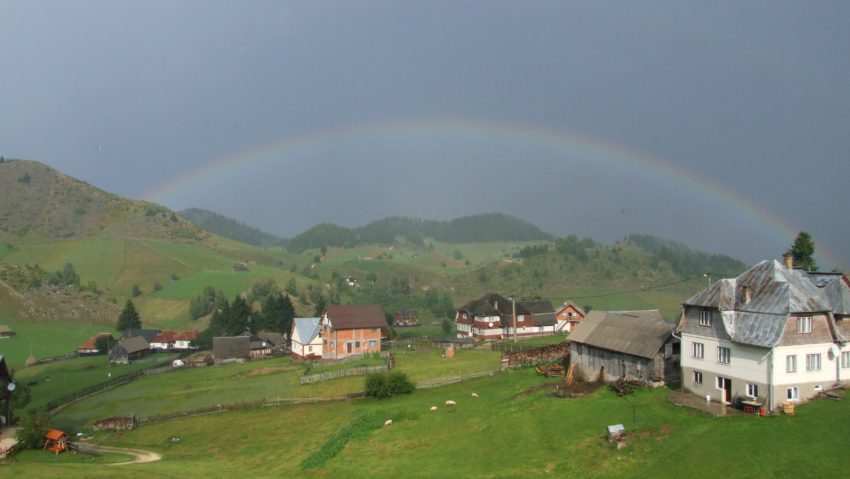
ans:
x=803 y=251
x=129 y=317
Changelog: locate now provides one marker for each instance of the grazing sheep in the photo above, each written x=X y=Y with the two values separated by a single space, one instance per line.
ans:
x=450 y=403
x=433 y=408
x=475 y=395
x=388 y=423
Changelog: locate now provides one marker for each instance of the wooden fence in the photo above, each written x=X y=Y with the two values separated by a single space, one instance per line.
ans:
x=341 y=373
x=249 y=405
x=59 y=403
x=435 y=383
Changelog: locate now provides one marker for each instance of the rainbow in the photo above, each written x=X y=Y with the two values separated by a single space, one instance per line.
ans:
x=556 y=139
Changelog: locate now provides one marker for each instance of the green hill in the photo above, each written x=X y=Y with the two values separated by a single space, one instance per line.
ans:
x=490 y=227
x=38 y=202
x=230 y=228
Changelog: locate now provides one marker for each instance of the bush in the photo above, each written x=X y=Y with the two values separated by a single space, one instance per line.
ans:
x=384 y=385
x=32 y=428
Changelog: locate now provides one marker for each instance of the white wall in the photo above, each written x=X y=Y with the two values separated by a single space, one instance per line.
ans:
x=826 y=375
x=747 y=363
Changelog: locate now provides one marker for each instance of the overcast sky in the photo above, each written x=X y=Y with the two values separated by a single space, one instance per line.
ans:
x=725 y=125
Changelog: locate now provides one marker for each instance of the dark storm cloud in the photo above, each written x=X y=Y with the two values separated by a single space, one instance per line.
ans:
x=750 y=97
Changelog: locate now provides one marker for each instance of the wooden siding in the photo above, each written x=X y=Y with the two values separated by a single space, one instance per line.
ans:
x=691 y=323
x=820 y=331
x=590 y=360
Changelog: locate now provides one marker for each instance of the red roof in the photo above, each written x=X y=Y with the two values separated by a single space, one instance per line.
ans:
x=187 y=336
x=90 y=343
x=55 y=434
x=356 y=316
x=165 y=337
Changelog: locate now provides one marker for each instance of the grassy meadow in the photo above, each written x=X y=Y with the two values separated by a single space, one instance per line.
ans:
x=44 y=339
x=503 y=433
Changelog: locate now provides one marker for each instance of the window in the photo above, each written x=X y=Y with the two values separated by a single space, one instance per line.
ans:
x=699 y=350
x=310 y=349
x=791 y=364
x=723 y=355
x=752 y=390
x=813 y=362
x=704 y=317
x=845 y=359
x=356 y=344
x=697 y=377
x=792 y=394
x=372 y=343
x=804 y=324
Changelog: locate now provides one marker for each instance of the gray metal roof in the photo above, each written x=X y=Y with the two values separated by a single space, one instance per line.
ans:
x=544 y=319
x=634 y=334
x=308 y=328
x=775 y=293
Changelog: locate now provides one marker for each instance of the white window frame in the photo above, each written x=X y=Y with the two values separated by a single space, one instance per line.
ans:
x=845 y=359
x=791 y=363
x=705 y=317
x=698 y=350
x=724 y=353
x=813 y=362
x=792 y=393
x=752 y=390
x=373 y=343
x=697 y=377
x=804 y=324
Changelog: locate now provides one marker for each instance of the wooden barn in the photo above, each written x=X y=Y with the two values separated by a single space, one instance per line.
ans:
x=129 y=349
x=228 y=348
x=625 y=344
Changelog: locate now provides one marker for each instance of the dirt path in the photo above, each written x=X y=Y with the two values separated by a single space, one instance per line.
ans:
x=141 y=456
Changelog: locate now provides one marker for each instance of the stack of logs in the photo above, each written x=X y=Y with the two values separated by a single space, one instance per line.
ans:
x=117 y=423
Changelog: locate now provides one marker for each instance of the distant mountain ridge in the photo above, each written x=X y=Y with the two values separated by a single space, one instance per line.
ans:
x=479 y=228
x=41 y=203
x=230 y=228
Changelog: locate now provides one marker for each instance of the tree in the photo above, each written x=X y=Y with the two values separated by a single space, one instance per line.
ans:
x=238 y=318
x=278 y=314
x=129 y=317
x=447 y=327
x=135 y=291
x=320 y=306
x=32 y=428
x=803 y=251
x=102 y=343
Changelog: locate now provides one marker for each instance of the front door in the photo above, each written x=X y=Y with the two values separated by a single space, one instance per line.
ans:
x=348 y=345
x=726 y=385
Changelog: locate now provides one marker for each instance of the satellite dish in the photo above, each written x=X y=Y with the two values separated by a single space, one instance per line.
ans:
x=10 y=387
x=490 y=325
x=835 y=351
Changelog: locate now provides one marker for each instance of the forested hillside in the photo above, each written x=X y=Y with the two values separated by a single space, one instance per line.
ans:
x=468 y=229
x=230 y=228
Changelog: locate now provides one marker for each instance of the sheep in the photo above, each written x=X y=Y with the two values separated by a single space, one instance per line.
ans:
x=475 y=395
x=450 y=403
x=388 y=423
x=433 y=408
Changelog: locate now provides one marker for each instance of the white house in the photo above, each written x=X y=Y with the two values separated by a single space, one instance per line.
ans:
x=771 y=335
x=306 y=340
x=492 y=317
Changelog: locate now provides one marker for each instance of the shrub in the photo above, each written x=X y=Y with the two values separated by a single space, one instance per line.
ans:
x=32 y=428
x=384 y=385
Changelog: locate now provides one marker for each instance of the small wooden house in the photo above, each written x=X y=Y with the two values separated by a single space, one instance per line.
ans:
x=6 y=331
x=568 y=317
x=405 y=319
x=129 y=349
x=56 y=441
x=625 y=344
x=228 y=348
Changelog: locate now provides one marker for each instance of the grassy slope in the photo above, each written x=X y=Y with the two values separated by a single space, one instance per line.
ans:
x=495 y=435
x=43 y=341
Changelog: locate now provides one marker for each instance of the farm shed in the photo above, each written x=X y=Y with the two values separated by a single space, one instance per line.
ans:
x=630 y=344
x=231 y=347
x=128 y=349
x=5 y=331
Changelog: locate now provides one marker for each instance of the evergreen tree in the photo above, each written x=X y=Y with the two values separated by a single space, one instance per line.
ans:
x=129 y=317
x=803 y=251
x=278 y=313
x=320 y=306
x=238 y=318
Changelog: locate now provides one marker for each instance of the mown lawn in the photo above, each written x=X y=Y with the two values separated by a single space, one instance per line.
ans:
x=500 y=434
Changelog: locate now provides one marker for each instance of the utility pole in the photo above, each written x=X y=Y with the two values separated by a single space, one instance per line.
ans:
x=513 y=311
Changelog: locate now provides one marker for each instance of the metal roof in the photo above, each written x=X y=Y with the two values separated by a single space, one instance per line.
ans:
x=640 y=333
x=307 y=328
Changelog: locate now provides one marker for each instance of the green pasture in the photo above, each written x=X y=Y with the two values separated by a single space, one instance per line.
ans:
x=53 y=380
x=501 y=434
x=44 y=339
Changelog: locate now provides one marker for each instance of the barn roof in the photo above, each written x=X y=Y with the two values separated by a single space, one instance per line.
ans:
x=638 y=333
x=148 y=334
x=226 y=347
x=134 y=344
x=492 y=304
x=4 y=329
x=356 y=316
x=308 y=329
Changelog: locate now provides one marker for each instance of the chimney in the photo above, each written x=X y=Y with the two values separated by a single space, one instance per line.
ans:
x=788 y=259
x=748 y=293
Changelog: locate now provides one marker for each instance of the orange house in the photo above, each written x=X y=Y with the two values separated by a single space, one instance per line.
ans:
x=352 y=330
x=568 y=316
